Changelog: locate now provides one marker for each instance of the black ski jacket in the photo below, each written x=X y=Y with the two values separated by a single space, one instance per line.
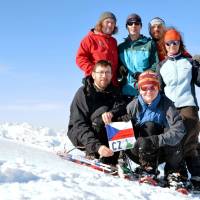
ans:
x=86 y=127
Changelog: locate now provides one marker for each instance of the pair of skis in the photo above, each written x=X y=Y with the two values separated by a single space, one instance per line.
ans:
x=117 y=171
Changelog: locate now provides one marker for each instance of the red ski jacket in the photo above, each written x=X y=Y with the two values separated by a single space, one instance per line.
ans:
x=95 y=47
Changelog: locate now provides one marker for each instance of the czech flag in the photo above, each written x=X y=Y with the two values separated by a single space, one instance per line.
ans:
x=120 y=135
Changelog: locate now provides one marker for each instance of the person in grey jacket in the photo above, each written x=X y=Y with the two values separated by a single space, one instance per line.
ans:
x=158 y=129
x=178 y=77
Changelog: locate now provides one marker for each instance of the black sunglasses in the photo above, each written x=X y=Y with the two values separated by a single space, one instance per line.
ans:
x=131 y=23
x=174 y=42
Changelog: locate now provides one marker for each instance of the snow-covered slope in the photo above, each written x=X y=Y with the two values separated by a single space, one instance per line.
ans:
x=30 y=169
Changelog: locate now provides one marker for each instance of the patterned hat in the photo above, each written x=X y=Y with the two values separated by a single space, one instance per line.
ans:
x=148 y=78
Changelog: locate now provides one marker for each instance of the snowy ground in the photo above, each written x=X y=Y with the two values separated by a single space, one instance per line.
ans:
x=29 y=169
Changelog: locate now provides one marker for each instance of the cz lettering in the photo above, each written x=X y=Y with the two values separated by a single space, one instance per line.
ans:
x=116 y=145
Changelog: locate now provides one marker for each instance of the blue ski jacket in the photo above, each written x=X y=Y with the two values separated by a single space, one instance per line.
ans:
x=137 y=56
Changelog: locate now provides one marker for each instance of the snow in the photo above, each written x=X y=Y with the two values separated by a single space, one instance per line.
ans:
x=30 y=169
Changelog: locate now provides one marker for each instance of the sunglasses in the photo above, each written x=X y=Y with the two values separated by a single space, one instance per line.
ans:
x=174 y=42
x=130 y=23
x=148 y=88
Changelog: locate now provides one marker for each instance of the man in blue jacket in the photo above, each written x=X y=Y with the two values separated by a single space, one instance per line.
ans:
x=136 y=54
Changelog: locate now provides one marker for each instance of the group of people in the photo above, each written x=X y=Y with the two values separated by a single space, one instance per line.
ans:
x=150 y=81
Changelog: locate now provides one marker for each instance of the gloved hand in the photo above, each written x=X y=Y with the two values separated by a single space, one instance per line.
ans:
x=123 y=71
x=122 y=74
x=147 y=144
x=96 y=119
x=147 y=149
x=136 y=75
x=98 y=124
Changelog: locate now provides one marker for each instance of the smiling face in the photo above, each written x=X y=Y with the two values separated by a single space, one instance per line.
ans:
x=172 y=47
x=134 y=30
x=157 y=31
x=172 y=40
x=149 y=93
x=108 y=26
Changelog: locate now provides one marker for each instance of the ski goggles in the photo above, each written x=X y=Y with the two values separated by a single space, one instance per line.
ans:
x=174 y=42
x=149 y=88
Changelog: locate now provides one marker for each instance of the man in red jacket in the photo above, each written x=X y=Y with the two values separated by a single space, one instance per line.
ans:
x=99 y=44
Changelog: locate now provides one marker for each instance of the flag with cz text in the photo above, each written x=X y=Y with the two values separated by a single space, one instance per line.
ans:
x=120 y=135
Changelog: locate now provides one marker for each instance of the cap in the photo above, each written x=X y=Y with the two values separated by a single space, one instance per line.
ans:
x=172 y=34
x=148 y=78
x=157 y=20
x=134 y=18
x=106 y=15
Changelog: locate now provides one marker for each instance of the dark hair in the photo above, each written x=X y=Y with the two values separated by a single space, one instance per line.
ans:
x=102 y=63
x=98 y=27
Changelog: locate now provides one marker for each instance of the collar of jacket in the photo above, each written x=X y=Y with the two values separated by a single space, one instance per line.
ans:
x=90 y=86
x=107 y=90
x=94 y=32
x=175 y=57
x=152 y=106
x=142 y=39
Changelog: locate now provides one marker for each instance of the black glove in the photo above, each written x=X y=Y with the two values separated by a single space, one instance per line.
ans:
x=136 y=75
x=123 y=70
x=96 y=119
x=125 y=118
x=122 y=74
x=148 y=144
x=98 y=124
x=147 y=149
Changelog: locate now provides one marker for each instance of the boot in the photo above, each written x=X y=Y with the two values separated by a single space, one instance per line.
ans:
x=177 y=182
x=195 y=180
x=122 y=166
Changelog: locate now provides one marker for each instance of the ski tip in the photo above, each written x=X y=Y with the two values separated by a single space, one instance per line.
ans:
x=149 y=180
x=183 y=191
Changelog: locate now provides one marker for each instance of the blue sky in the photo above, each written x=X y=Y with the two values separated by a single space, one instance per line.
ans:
x=38 y=44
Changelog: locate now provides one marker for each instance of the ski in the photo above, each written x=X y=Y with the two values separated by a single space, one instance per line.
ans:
x=107 y=169
x=94 y=164
x=118 y=171
x=148 y=180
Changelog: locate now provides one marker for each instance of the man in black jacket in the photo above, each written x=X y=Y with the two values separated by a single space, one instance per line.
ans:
x=95 y=104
